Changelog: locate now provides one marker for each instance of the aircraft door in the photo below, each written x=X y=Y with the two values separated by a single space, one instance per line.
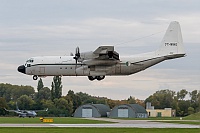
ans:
x=42 y=70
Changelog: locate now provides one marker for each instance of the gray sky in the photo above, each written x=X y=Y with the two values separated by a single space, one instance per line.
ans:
x=55 y=27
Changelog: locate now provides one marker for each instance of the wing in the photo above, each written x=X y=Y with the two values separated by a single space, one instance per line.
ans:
x=39 y=110
x=10 y=110
x=103 y=55
x=16 y=111
x=106 y=52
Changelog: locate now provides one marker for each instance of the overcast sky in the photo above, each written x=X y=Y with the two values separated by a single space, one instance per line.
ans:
x=55 y=27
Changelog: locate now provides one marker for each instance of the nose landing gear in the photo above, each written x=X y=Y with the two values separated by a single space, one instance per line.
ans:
x=35 y=77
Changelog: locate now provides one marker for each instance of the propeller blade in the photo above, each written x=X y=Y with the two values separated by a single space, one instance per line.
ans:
x=77 y=55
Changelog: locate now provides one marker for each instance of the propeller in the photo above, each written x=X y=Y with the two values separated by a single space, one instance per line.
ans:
x=77 y=55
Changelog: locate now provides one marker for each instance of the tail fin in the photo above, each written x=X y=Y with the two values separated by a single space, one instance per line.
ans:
x=17 y=107
x=172 y=42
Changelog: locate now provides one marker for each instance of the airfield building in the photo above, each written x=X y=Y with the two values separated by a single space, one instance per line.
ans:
x=166 y=112
x=92 y=110
x=128 y=111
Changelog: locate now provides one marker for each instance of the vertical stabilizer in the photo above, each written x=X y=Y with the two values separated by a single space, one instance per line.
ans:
x=17 y=107
x=172 y=42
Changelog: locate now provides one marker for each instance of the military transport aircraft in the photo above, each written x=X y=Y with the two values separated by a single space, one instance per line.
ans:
x=25 y=113
x=104 y=61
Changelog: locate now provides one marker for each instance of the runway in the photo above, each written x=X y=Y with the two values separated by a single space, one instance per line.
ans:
x=118 y=124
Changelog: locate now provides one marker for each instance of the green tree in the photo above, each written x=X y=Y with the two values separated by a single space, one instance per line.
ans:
x=18 y=91
x=183 y=107
x=48 y=104
x=40 y=85
x=56 y=87
x=3 y=105
x=190 y=110
x=198 y=101
x=75 y=99
x=194 y=95
x=162 y=99
x=52 y=91
x=181 y=94
x=84 y=98
x=131 y=100
x=63 y=107
x=110 y=103
x=25 y=102
x=13 y=92
x=44 y=93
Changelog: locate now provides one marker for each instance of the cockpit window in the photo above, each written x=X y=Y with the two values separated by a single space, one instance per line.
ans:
x=30 y=61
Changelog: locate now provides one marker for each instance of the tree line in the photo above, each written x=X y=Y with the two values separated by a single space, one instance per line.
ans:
x=59 y=105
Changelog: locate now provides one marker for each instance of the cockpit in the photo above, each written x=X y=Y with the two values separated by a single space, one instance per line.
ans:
x=29 y=62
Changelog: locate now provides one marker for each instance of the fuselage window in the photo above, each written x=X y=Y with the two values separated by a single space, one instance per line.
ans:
x=65 y=67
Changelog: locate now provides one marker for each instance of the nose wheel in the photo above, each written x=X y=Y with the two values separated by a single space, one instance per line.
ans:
x=35 y=77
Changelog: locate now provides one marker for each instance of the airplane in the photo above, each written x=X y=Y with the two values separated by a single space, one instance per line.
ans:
x=105 y=61
x=25 y=113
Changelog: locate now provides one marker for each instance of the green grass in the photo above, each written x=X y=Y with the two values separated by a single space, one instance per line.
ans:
x=96 y=130
x=151 y=118
x=195 y=116
x=57 y=120
x=181 y=122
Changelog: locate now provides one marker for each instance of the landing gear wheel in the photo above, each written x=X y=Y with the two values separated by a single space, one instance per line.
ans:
x=91 y=78
x=35 y=77
x=100 y=77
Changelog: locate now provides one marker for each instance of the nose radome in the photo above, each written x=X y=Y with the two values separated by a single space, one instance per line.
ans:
x=22 y=69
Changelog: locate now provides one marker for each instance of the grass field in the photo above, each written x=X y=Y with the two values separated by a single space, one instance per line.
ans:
x=182 y=122
x=152 y=118
x=195 y=116
x=96 y=130
x=57 y=120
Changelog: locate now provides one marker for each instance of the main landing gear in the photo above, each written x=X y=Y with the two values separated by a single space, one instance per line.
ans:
x=35 y=77
x=91 y=78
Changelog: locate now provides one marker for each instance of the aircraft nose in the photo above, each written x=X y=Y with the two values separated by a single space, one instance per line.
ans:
x=22 y=69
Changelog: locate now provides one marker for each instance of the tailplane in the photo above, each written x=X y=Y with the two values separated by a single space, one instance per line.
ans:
x=172 y=42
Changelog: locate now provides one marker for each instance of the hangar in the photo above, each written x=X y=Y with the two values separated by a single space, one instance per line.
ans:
x=92 y=110
x=128 y=111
